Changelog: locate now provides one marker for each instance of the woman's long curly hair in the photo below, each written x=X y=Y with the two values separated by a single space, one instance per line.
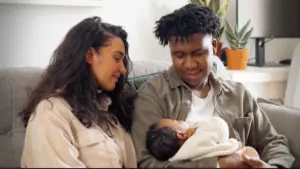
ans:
x=69 y=76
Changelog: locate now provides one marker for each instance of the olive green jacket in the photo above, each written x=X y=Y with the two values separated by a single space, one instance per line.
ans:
x=167 y=96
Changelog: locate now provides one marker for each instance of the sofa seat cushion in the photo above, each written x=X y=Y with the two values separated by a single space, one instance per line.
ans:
x=286 y=121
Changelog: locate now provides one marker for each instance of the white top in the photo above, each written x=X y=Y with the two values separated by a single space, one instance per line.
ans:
x=201 y=108
x=211 y=139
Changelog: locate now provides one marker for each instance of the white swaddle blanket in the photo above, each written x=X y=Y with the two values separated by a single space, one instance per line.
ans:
x=210 y=139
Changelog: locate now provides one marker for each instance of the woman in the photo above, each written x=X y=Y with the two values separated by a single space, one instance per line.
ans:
x=76 y=116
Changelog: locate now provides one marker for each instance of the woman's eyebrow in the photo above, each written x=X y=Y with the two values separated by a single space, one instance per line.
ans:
x=119 y=52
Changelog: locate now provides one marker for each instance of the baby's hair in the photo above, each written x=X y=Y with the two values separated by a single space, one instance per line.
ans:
x=162 y=142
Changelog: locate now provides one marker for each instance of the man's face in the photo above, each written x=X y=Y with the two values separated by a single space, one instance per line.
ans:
x=191 y=58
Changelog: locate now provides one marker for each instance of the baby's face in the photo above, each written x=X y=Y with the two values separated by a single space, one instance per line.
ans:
x=176 y=125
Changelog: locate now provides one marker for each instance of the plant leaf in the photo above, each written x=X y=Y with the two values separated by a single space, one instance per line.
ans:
x=202 y=2
x=233 y=46
x=223 y=9
x=243 y=30
x=236 y=31
x=221 y=32
x=229 y=30
x=212 y=5
x=231 y=41
x=207 y=2
x=243 y=44
x=247 y=35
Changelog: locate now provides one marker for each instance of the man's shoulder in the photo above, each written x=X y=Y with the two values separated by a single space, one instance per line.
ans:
x=234 y=86
x=156 y=83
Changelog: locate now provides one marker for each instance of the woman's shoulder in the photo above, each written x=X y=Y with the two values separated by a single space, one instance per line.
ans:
x=54 y=107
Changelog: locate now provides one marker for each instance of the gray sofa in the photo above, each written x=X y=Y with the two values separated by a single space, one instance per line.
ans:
x=15 y=81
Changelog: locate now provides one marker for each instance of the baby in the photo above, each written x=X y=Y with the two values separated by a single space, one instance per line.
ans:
x=178 y=140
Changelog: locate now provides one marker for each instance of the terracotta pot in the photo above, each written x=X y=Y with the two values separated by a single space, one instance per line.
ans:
x=237 y=59
x=219 y=48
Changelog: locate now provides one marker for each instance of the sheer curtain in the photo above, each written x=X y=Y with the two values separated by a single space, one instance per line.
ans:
x=292 y=95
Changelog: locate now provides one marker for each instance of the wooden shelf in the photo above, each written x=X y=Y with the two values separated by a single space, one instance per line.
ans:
x=78 y=3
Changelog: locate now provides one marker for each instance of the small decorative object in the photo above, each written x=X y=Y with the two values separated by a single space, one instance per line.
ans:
x=220 y=12
x=237 y=54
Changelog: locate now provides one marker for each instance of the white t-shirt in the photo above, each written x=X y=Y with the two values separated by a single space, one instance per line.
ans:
x=201 y=108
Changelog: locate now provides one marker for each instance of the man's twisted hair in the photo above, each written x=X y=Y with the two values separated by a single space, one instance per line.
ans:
x=190 y=19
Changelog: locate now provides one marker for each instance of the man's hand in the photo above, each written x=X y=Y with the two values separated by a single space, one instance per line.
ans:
x=234 y=160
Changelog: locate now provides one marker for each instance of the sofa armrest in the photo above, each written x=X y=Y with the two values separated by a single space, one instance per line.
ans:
x=286 y=121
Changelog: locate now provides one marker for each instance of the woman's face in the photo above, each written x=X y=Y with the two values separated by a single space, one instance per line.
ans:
x=107 y=63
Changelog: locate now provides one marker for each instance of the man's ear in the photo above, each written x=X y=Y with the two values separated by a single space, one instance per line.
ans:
x=214 y=44
x=89 y=56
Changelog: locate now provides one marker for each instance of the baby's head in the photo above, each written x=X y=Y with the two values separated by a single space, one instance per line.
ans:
x=165 y=138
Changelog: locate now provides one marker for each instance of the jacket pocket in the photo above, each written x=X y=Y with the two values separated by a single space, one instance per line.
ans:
x=243 y=127
x=89 y=139
x=97 y=150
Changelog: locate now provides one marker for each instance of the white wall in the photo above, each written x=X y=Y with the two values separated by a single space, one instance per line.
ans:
x=29 y=33
x=139 y=19
x=276 y=49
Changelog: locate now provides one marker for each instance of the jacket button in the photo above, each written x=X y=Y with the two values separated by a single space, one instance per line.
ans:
x=187 y=102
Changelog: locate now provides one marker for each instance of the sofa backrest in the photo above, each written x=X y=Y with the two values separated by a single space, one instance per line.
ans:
x=14 y=83
x=13 y=93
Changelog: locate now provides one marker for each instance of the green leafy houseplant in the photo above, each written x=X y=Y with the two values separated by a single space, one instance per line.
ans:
x=219 y=11
x=236 y=38
x=237 y=55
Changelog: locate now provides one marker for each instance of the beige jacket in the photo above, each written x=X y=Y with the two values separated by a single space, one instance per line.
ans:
x=167 y=96
x=56 y=138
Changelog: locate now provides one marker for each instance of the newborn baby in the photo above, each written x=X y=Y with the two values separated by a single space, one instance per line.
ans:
x=177 y=140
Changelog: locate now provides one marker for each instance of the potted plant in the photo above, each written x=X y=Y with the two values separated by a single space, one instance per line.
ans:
x=220 y=12
x=237 y=54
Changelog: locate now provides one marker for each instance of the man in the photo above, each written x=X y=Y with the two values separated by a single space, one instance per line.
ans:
x=190 y=91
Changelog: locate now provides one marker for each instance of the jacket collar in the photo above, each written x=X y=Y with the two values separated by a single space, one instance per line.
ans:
x=175 y=81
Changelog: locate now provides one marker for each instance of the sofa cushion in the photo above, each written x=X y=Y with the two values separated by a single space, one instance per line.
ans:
x=286 y=121
x=13 y=90
x=143 y=70
x=139 y=80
